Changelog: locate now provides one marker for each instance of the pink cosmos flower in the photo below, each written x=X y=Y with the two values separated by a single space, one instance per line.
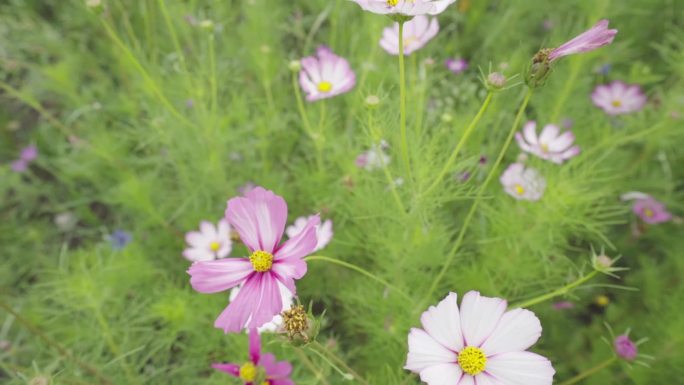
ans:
x=325 y=75
x=19 y=165
x=456 y=65
x=523 y=183
x=417 y=32
x=29 y=153
x=259 y=218
x=405 y=7
x=625 y=348
x=209 y=243
x=324 y=231
x=260 y=369
x=276 y=323
x=549 y=145
x=647 y=208
x=618 y=98
x=479 y=344
x=596 y=37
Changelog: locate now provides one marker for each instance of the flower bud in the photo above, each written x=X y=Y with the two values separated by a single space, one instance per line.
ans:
x=539 y=70
x=496 y=80
x=208 y=24
x=295 y=66
x=372 y=101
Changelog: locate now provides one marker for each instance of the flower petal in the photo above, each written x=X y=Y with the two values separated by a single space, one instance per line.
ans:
x=442 y=374
x=215 y=276
x=424 y=351
x=518 y=330
x=302 y=244
x=254 y=346
x=275 y=369
x=521 y=368
x=256 y=304
x=443 y=323
x=232 y=369
x=259 y=218
x=479 y=317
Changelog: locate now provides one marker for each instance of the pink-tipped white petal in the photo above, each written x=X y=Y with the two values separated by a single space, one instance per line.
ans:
x=521 y=368
x=479 y=317
x=424 y=351
x=518 y=330
x=443 y=322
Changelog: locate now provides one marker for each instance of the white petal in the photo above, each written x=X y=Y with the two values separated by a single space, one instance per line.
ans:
x=549 y=133
x=443 y=323
x=521 y=368
x=530 y=133
x=485 y=378
x=467 y=379
x=479 y=317
x=424 y=351
x=518 y=330
x=444 y=374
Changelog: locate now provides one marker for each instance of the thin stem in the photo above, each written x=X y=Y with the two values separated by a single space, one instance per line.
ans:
x=478 y=198
x=305 y=121
x=54 y=344
x=359 y=270
x=339 y=362
x=310 y=365
x=560 y=291
x=589 y=372
x=461 y=143
x=402 y=102
x=385 y=168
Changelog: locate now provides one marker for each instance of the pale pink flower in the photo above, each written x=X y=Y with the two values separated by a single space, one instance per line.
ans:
x=259 y=368
x=405 y=7
x=596 y=37
x=417 y=32
x=456 y=65
x=276 y=322
x=551 y=144
x=325 y=75
x=618 y=98
x=479 y=344
x=647 y=208
x=259 y=218
x=324 y=231
x=523 y=183
x=209 y=243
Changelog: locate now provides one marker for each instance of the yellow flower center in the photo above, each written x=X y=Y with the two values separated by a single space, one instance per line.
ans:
x=248 y=372
x=545 y=147
x=520 y=190
x=409 y=41
x=616 y=103
x=602 y=300
x=214 y=246
x=649 y=213
x=325 y=86
x=261 y=261
x=392 y=3
x=472 y=360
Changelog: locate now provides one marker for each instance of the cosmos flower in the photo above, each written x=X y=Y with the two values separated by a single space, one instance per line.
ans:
x=480 y=343
x=209 y=243
x=457 y=65
x=625 y=348
x=523 y=183
x=276 y=323
x=404 y=7
x=647 y=208
x=259 y=218
x=27 y=155
x=375 y=158
x=324 y=231
x=618 y=98
x=549 y=145
x=594 y=38
x=260 y=369
x=325 y=75
x=119 y=239
x=417 y=32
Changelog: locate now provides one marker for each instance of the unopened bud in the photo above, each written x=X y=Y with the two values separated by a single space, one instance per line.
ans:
x=295 y=66
x=604 y=261
x=208 y=24
x=447 y=117
x=372 y=101
x=496 y=80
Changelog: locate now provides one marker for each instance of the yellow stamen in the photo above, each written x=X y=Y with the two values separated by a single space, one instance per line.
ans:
x=325 y=86
x=648 y=212
x=214 y=246
x=602 y=300
x=248 y=372
x=520 y=190
x=392 y=3
x=409 y=41
x=616 y=103
x=472 y=360
x=545 y=147
x=261 y=261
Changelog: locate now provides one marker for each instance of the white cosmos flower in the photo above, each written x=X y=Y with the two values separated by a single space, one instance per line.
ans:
x=209 y=243
x=404 y=7
x=324 y=231
x=479 y=344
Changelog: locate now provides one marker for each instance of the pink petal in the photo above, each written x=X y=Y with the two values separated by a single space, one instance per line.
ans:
x=302 y=244
x=442 y=374
x=424 y=351
x=518 y=330
x=522 y=144
x=479 y=317
x=232 y=369
x=256 y=304
x=443 y=323
x=254 y=345
x=562 y=142
x=259 y=218
x=521 y=368
x=530 y=133
x=275 y=369
x=549 y=133
x=286 y=270
x=208 y=229
x=215 y=276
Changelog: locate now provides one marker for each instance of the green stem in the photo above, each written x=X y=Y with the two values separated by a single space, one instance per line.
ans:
x=54 y=344
x=310 y=365
x=306 y=123
x=325 y=352
x=478 y=198
x=589 y=372
x=358 y=270
x=461 y=143
x=402 y=102
x=561 y=291
x=385 y=168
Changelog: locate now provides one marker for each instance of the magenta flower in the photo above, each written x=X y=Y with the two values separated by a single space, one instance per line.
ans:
x=325 y=75
x=456 y=65
x=209 y=243
x=259 y=218
x=29 y=153
x=417 y=32
x=19 y=165
x=523 y=183
x=260 y=369
x=647 y=208
x=618 y=98
x=596 y=37
x=625 y=348
x=549 y=145
x=404 y=7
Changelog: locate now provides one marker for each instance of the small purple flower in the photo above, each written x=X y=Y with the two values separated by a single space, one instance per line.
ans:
x=29 y=153
x=325 y=75
x=119 y=239
x=618 y=98
x=417 y=33
x=563 y=305
x=550 y=145
x=647 y=208
x=625 y=348
x=19 y=165
x=523 y=183
x=457 y=65
x=596 y=37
